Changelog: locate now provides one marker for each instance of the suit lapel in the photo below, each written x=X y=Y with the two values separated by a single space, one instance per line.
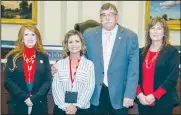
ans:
x=36 y=69
x=21 y=66
x=117 y=42
x=98 y=38
x=158 y=61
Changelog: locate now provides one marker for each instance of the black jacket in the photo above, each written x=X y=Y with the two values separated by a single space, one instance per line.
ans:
x=166 y=75
x=16 y=85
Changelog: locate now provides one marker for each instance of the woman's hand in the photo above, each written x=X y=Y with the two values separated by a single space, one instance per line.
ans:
x=150 y=99
x=71 y=109
x=142 y=99
x=28 y=102
x=53 y=69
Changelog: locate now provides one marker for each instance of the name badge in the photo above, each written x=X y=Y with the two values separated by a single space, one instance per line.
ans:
x=71 y=97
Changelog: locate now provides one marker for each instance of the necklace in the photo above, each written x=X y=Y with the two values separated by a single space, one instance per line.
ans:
x=29 y=62
x=148 y=63
x=31 y=59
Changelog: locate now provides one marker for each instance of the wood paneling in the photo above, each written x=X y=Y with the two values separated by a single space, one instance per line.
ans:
x=4 y=106
x=177 y=109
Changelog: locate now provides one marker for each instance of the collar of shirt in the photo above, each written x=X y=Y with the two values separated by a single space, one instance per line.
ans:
x=114 y=31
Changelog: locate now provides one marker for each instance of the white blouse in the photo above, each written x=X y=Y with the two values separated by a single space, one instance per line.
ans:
x=84 y=83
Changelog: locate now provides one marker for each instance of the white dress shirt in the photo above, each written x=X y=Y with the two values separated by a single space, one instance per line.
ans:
x=112 y=40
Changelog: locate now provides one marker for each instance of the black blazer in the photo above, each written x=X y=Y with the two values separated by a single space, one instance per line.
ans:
x=166 y=75
x=16 y=85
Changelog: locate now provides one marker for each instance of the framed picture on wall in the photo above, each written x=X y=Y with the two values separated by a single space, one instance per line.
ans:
x=19 y=12
x=169 y=10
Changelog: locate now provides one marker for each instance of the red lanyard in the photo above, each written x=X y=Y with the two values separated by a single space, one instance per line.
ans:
x=71 y=78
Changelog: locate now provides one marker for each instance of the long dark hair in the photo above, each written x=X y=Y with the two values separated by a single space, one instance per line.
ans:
x=148 y=40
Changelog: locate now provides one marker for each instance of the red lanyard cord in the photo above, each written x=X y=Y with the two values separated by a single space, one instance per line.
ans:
x=71 y=77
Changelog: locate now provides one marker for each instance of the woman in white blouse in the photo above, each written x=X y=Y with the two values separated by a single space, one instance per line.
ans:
x=74 y=83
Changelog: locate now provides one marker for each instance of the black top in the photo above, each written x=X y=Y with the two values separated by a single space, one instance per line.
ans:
x=166 y=75
x=16 y=85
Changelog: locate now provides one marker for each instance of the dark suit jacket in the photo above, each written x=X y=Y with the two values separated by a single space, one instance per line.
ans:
x=16 y=85
x=166 y=75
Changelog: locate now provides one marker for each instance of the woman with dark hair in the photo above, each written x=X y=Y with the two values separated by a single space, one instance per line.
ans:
x=159 y=69
x=28 y=74
x=74 y=82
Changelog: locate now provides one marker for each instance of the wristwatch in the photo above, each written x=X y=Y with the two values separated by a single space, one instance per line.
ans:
x=77 y=107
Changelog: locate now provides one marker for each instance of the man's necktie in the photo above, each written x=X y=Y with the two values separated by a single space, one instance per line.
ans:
x=107 y=55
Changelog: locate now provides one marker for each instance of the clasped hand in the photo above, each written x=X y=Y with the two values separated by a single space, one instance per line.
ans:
x=146 y=100
x=28 y=102
x=71 y=109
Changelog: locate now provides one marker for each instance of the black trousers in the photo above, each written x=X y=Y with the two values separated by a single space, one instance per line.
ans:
x=154 y=110
x=105 y=106
x=61 y=112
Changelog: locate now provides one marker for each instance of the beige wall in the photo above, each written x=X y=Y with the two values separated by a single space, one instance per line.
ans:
x=55 y=18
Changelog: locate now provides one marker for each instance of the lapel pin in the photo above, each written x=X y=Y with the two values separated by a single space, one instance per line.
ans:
x=41 y=61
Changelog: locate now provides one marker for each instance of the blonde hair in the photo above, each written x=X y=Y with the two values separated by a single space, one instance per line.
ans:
x=19 y=45
x=148 y=40
x=65 y=51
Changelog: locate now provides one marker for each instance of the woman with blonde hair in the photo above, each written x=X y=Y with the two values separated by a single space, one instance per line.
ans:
x=28 y=73
x=74 y=82
x=159 y=68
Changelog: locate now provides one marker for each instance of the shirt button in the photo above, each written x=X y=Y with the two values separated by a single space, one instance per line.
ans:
x=102 y=72
x=101 y=83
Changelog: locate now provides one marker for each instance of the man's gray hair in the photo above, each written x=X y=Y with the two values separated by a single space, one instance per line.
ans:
x=107 y=6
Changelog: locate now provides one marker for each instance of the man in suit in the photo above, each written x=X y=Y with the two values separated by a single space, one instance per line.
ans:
x=115 y=53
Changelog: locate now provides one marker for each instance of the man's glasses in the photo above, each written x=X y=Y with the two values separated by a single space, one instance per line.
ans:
x=111 y=14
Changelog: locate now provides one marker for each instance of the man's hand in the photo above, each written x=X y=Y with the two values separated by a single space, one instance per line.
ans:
x=53 y=69
x=142 y=98
x=28 y=102
x=150 y=99
x=127 y=102
x=71 y=109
